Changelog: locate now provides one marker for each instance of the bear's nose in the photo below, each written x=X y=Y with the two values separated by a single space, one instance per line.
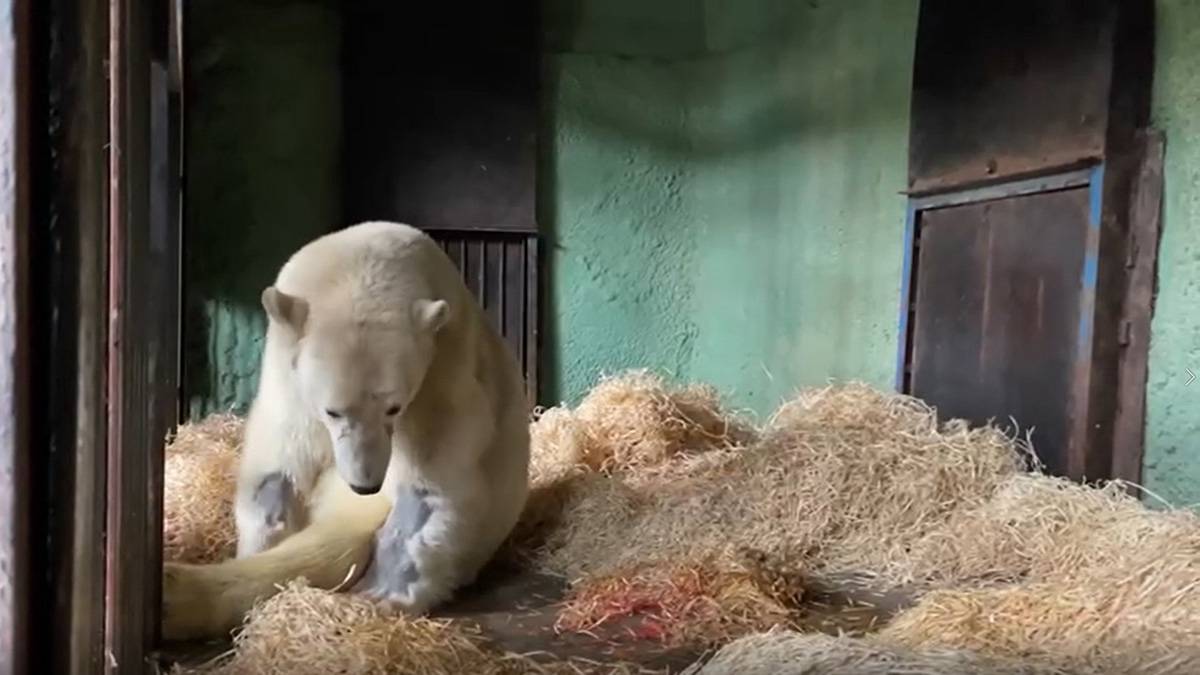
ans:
x=358 y=489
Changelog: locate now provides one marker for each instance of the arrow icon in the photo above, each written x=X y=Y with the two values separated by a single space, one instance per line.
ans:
x=1191 y=377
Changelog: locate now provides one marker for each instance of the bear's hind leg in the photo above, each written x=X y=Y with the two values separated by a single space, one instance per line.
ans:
x=205 y=601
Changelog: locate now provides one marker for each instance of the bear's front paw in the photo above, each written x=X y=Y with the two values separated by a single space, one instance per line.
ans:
x=392 y=571
x=393 y=576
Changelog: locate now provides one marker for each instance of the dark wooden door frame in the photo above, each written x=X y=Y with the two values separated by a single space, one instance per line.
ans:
x=143 y=342
x=974 y=134
x=92 y=605
x=1136 y=307
x=74 y=259
x=125 y=597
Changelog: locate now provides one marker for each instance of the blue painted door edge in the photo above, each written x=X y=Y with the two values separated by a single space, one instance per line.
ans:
x=1091 y=258
x=906 y=280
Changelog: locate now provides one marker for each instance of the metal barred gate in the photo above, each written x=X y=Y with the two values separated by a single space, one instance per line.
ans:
x=501 y=269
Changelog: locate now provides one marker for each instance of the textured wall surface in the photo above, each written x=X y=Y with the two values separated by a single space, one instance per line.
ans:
x=719 y=188
x=722 y=193
x=263 y=126
x=620 y=233
x=1172 y=466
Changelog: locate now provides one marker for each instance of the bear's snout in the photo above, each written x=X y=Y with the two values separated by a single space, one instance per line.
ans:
x=359 y=489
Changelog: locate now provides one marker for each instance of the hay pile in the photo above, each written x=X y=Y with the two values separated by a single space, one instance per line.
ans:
x=199 y=483
x=844 y=478
x=331 y=633
x=1098 y=581
x=667 y=511
x=786 y=653
x=848 y=480
x=304 y=630
x=634 y=421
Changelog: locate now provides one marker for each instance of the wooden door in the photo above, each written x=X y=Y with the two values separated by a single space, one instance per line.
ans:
x=1024 y=156
x=997 y=308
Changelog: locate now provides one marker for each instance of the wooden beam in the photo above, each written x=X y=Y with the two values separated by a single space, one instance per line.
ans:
x=1145 y=221
x=141 y=302
x=74 y=264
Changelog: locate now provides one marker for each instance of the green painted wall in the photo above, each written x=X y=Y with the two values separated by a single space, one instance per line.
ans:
x=263 y=139
x=720 y=186
x=721 y=190
x=1172 y=466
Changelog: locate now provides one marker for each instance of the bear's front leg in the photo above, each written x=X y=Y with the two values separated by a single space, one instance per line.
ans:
x=416 y=553
x=268 y=510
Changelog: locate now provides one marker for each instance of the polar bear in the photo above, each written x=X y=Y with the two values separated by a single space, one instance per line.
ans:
x=387 y=447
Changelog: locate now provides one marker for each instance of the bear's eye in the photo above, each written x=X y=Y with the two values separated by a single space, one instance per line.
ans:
x=393 y=411
x=333 y=414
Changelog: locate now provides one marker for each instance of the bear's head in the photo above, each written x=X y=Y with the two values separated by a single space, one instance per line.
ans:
x=358 y=377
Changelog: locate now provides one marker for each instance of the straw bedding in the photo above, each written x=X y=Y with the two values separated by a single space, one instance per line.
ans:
x=1105 y=582
x=846 y=478
x=324 y=632
x=786 y=653
x=683 y=604
x=634 y=421
x=199 y=468
x=304 y=630
x=660 y=505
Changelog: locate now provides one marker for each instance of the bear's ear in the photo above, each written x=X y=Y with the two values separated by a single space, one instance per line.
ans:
x=431 y=314
x=284 y=309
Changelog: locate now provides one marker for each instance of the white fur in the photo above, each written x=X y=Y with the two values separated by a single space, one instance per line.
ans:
x=379 y=369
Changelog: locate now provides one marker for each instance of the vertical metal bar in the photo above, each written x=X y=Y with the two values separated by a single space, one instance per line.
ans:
x=481 y=272
x=532 y=325
x=493 y=275
x=118 y=73
x=483 y=276
x=513 y=296
x=505 y=288
x=161 y=340
x=178 y=68
x=15 y=551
